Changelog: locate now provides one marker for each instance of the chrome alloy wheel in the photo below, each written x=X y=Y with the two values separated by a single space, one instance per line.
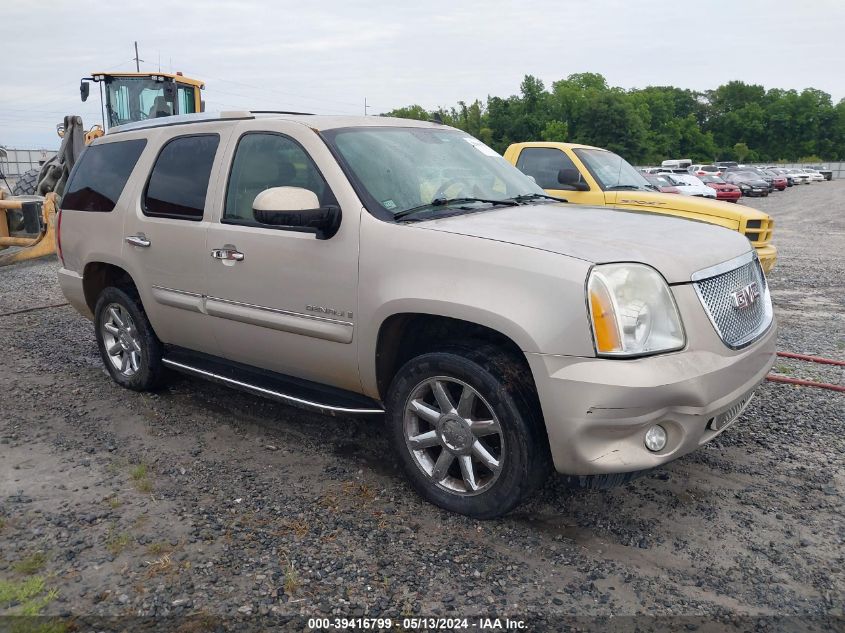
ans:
x=121 y=339
x=454 y=436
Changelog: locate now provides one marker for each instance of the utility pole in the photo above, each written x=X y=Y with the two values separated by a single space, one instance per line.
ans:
x=137 y=60
x=365 y=106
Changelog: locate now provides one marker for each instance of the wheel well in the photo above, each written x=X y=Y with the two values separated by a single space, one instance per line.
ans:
x=98 y=276
x=404 y=336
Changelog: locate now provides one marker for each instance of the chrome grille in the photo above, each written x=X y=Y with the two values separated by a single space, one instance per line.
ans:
x=737 y=326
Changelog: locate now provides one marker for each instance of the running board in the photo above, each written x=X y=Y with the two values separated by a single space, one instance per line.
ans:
x=286 y=389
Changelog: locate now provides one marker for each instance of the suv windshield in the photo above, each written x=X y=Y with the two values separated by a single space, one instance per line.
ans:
x=610 y=170
x=398 y=168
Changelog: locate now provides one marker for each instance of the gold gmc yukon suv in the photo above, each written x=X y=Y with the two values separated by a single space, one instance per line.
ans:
x=362 y=265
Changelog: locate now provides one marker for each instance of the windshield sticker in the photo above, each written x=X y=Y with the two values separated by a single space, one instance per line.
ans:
x=481 y=147
x=389 y=204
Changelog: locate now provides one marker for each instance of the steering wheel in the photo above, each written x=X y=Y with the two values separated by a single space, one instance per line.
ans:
x=441 y=191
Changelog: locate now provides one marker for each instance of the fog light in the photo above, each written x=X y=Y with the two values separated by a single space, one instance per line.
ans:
x=655 y=438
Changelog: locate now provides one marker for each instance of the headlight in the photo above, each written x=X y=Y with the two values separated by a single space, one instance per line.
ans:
x=632 y=311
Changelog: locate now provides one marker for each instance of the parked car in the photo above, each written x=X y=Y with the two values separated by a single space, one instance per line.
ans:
x=783 y=172
x=661 y=183
x=814 y=175
x=750 y=183
x=726 y=164
x=760 y=175
x=799 y=177
x=705 y=170
x=690 y=185
x=363 y=265
x=827 y=173
x=594 y=176
x=724 y=191
x=778 y=181
x=680 y=163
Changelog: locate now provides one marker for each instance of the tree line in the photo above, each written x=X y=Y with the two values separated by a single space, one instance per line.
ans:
x=736 y=121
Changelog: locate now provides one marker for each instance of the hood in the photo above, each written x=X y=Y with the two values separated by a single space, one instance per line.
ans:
x=666 y=203
x=675 y=247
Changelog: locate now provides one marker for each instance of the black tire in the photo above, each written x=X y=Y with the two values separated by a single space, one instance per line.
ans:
x=510 y=395
x=150 y=370
x=27 y=182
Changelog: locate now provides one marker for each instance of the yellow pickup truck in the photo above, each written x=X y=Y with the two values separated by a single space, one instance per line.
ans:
x=595 y=176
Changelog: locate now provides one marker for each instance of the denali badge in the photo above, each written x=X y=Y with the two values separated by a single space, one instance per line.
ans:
x=332 y=311
x=744 y=297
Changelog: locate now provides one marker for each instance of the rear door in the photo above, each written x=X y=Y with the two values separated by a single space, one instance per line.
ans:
x=544 y=163
x=165 y=233
x=288 y=302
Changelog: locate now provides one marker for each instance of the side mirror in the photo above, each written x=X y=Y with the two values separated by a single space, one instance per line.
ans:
x=170 y=91
x=296 y=209
x=84 y=90
x=571 y=178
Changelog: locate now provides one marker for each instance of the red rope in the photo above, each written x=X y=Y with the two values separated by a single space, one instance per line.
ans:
x=805 y=383
x=812 y=359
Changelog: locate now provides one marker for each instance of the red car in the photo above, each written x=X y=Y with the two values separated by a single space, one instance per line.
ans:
x=724 y=190
x=779 y=181
x=662 y=183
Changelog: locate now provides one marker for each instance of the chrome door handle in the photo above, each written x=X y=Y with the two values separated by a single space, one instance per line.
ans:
x=138 y=240
x=227 y=254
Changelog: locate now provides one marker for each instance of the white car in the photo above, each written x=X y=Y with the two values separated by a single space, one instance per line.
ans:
x=705 y=170
x=814 y=175
x=690 y=185
x=799 y=176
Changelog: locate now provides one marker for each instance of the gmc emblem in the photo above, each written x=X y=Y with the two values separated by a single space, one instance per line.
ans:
x=745 y=297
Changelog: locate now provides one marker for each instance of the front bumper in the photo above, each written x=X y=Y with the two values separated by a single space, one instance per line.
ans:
x=598 y=410
x=768 y=256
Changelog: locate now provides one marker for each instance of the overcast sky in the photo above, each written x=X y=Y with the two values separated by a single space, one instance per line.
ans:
x=327 y=56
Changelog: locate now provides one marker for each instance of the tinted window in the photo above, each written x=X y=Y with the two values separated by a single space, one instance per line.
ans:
x=543 y=164
x=263 y=161
x=101 y=174
x=179 y=181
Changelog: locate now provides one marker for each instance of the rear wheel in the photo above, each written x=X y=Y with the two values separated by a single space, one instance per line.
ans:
x=467 y=431
x=128 y=346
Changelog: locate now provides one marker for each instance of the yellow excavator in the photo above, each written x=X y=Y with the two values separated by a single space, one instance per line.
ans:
x=27 y=218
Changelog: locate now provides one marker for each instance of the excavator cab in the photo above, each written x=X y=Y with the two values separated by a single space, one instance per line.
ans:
x=131 y=97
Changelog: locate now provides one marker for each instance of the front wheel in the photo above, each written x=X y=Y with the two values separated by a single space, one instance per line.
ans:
x=467 y=430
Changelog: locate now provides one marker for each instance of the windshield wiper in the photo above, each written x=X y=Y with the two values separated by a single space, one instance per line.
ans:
x=442 y=202
x=626 y=187
x=525 y=197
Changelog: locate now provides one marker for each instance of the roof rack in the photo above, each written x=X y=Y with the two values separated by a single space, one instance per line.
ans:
x=182 y=119
x=281 y=112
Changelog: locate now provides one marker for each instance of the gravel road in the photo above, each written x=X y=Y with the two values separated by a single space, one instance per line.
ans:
x=201 y=500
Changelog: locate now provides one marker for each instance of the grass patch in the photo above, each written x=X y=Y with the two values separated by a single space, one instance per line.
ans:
x=32 y=564
x=784 y=369
x=117 y=542
x=29 y=595
x=141 y=479
x=291 y=583
x=113 y=502
x=156 y=549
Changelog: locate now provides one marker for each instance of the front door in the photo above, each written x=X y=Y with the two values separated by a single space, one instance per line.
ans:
x=280 y=299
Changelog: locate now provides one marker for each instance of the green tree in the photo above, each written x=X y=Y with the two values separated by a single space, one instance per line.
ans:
x=741 y=152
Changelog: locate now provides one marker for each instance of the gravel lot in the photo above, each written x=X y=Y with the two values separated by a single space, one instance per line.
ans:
x=202 y=500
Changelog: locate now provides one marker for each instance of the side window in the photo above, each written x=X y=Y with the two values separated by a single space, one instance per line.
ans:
x=543 y=164
x=101 y=174
x=179 y=180
x=262 y=161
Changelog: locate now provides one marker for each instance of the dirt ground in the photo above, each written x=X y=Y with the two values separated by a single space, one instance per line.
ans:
x=201 y=500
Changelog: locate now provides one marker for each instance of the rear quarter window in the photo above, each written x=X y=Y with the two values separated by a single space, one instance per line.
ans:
x=179 y=181
x=101 y=174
